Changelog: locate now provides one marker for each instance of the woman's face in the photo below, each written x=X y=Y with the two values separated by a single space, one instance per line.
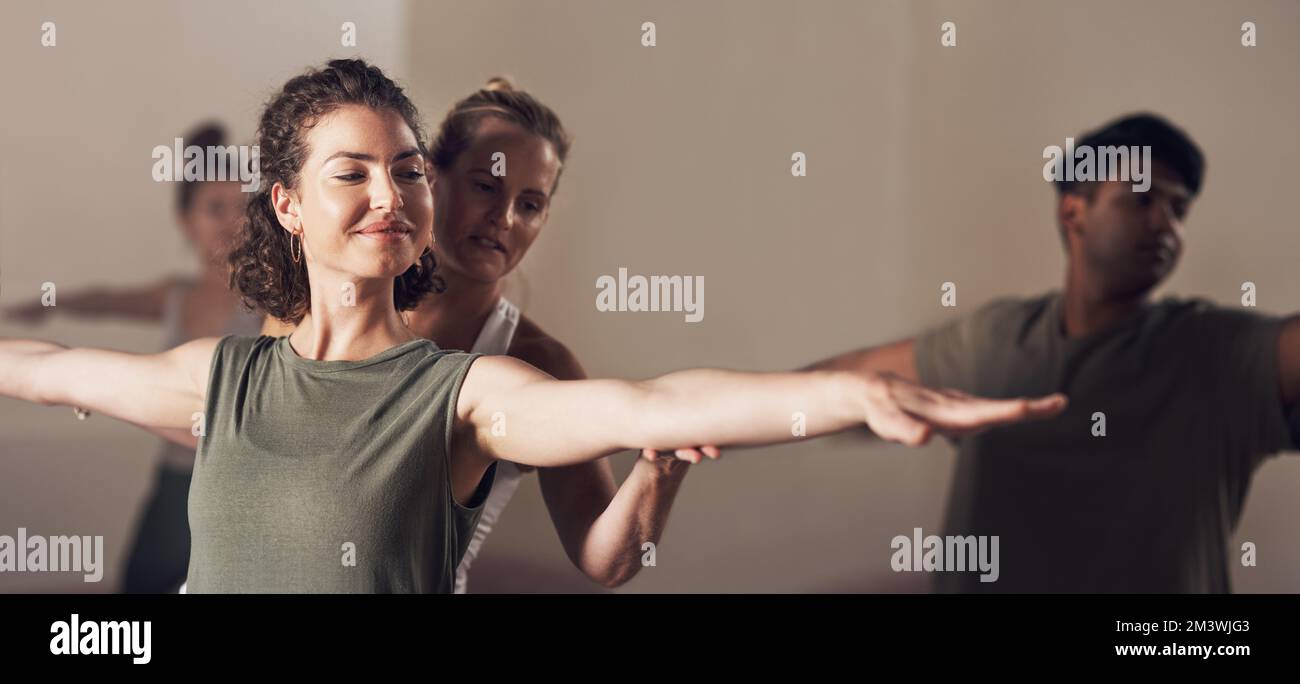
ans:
x=213 y=217
x=484 y=224
x=362 y=200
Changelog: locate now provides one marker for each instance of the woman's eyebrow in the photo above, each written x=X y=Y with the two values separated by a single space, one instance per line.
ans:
x=525 y=191
x=362 y=156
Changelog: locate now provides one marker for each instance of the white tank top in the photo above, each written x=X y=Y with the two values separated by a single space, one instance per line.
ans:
x=494 y=338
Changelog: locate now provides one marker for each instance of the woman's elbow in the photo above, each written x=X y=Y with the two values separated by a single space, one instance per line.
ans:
x=614 y=575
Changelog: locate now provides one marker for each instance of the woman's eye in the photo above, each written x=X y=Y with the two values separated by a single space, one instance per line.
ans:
x=413 y=175
x=483 y=187
x=532 y=207
x=349 y=177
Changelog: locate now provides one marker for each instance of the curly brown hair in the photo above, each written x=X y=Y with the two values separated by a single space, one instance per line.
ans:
x=261 y=269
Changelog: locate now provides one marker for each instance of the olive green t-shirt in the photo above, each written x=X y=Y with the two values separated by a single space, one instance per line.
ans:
x=1139 y=484
x=328 y=476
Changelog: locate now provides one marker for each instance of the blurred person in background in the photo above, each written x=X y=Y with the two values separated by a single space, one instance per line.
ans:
x=188 y=307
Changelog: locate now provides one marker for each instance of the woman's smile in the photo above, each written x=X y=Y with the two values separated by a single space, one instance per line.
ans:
x=387 y=230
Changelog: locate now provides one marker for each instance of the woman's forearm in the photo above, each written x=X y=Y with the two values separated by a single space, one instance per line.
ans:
x=729 y=408
x=608 y=545
x=20 y=364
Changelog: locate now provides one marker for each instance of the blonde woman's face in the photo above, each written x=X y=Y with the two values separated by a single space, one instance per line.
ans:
x=362 y=202
x=484 y=223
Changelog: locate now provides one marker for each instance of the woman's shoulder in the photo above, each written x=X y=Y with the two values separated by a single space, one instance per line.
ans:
x=534 y=346
x=233 y=348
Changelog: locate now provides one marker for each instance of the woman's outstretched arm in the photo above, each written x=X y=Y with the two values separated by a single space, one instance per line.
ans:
x=510 y=410
x=160 y=392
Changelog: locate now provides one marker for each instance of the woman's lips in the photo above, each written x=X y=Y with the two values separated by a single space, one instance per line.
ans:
x=393 y=235
x=487 y=243
x=386 y=231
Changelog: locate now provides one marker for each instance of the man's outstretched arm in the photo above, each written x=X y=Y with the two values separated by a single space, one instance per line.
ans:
x=898 y=358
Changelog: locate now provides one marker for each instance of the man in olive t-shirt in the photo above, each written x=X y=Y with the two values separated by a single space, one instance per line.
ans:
x=1139 y=484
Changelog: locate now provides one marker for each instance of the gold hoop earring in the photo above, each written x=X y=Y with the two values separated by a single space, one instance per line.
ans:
x=296 y=259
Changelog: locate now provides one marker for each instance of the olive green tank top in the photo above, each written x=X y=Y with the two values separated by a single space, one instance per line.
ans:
x=328 y=476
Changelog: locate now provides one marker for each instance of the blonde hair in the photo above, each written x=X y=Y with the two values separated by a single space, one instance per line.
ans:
x=499 y=98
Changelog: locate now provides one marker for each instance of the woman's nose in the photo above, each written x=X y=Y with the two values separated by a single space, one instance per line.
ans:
x=384 y=193
x=502 y=215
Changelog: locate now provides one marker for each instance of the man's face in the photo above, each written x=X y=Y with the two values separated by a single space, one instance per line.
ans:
x=1128 y=241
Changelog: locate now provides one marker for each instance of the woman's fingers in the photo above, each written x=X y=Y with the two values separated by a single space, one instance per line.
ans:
x=688 y=454
x=691 y=456
x=956 y=412
x=972 y=413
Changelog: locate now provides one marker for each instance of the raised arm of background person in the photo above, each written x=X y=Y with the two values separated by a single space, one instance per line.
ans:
x=898 y=358
x=143 y=303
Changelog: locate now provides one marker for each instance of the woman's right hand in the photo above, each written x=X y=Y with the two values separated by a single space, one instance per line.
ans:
x=900 y=410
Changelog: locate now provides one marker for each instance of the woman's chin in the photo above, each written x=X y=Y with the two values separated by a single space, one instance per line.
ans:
x=384 y=271
x=481 y=270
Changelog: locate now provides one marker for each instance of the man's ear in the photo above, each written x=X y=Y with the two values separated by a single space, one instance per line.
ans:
x=1070 y=209
x=286 y=208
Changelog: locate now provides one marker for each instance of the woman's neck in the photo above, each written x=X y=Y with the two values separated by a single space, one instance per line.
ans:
x=454 y=318
x=349 y=321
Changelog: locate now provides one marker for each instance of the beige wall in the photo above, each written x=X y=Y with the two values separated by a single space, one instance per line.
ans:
x=924 y=167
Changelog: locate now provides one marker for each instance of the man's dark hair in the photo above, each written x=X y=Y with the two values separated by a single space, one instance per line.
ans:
x=1169 y=146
